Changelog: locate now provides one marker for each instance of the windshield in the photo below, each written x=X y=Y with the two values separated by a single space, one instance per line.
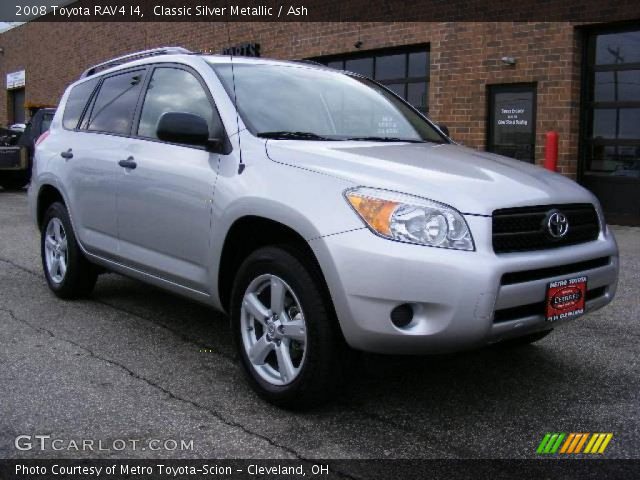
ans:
x=297 y=102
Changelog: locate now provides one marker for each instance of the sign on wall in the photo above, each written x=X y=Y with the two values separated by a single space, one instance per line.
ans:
x=15 y=79
x=243 y=50
x=512 y=114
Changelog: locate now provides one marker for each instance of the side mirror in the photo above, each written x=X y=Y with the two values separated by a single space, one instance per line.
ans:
x=444 y=129
x=187 y=128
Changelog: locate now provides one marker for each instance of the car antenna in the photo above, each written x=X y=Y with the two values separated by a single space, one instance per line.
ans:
x=241 y=165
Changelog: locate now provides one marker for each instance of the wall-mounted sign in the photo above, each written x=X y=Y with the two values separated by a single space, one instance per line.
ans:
x=15 y=79
x=512 y=114
x=243 y=50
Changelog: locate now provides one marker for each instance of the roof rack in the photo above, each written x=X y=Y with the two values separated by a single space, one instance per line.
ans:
x=133 y=56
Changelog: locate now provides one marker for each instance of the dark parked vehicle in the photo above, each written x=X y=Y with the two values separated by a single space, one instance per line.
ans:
x=16 y=149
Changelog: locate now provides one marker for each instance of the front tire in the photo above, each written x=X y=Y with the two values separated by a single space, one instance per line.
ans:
x=68 y=273
x=288 y=338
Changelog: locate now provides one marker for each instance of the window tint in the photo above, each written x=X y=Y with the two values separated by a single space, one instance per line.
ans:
x=46 y=122
x=76 y=102
x=116 y=101
x=173 y=90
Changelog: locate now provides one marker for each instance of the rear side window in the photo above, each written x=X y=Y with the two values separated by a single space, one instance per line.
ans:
x=76 y=102
x=115 y=103
x=173 y=90
x=46 y=122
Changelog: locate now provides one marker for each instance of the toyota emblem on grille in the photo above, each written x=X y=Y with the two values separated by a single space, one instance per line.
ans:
x=557 y=224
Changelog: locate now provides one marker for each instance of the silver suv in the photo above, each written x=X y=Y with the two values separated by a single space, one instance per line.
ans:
x=318 y=209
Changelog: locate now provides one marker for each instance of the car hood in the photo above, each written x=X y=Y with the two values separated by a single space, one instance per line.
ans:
x=471 y=181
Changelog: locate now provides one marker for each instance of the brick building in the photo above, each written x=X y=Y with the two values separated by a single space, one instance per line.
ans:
x=498 y=86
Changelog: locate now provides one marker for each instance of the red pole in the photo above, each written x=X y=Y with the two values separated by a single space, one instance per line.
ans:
x=551 y=152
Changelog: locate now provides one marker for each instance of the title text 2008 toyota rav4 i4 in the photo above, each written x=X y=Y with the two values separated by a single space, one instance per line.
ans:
x=317 y=208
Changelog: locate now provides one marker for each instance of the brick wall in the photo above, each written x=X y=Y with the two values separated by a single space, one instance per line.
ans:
x=465 y=58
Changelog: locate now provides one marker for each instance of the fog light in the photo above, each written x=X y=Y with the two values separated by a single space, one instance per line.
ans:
x=402 y=315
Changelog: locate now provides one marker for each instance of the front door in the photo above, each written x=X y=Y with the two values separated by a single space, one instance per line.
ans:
x=610 y=143
x=165 y=202
x=512 y=121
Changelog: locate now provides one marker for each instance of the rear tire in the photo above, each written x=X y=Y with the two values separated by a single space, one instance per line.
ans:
x=524 y=340
x=280 y=319
x=68 y=273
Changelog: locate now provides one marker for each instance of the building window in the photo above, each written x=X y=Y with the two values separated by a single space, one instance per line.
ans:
x=612 y=134
x=404 y=70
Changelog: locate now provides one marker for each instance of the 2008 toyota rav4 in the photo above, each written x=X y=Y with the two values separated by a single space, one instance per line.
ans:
x=316 y=207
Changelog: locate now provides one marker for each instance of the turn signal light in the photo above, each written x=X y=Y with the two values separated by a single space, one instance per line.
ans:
x=376 y=212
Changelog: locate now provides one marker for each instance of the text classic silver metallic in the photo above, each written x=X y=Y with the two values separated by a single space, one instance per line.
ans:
x=319 y=210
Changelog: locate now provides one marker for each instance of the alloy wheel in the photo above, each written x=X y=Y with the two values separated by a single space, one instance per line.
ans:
x=56 y=251
x=274 y=332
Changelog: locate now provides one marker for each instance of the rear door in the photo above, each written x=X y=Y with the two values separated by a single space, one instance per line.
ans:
x=165 y=202
x=96 y=146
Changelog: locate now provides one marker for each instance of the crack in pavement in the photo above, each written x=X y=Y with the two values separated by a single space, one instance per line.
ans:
x=180 y=335
x=169 y=393
x=362 y=412
x=19 y=267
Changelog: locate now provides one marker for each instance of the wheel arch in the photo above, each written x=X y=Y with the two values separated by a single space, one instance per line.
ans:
x=241 y=240
x=47 y=195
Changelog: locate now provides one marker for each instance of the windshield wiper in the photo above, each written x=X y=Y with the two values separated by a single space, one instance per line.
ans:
x=386 y=139
x=284 y=135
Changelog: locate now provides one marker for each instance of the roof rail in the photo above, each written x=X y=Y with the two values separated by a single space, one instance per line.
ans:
x=132 y=56
x=310 y=62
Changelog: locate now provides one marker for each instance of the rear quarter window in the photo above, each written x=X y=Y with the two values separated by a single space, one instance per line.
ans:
x=115 y=103
x=77 y=101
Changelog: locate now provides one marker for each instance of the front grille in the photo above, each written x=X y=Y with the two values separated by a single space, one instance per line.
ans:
x=538 y=308
x=540 y=273
x=524 y=228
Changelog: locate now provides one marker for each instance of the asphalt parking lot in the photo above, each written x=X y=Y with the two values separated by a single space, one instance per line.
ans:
x=133 y=362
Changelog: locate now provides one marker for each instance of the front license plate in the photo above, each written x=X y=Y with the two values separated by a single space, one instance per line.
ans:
x=566 y=298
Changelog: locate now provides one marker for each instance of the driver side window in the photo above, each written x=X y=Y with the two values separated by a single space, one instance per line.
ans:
x=174 y=90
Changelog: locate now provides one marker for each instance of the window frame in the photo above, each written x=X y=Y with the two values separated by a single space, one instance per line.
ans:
x=227 y=147
x=87 y=104
x=149 y=68
x=589 y=104
x=91 y=104
x=405 y=50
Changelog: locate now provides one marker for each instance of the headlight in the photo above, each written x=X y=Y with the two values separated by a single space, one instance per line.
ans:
x=406 y=218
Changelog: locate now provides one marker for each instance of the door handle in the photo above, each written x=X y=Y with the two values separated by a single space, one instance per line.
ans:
x=128 y=163
x=66 y=155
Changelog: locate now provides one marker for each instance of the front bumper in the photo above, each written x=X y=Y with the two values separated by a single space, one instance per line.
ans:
x=454 y=294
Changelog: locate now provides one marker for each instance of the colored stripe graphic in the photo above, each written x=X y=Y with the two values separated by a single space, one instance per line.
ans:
x=606 y=441
x=567 y=442
x=581 y=443
x=550 y=443
x=598 y=443
x=572 y=443
x=543 y=443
